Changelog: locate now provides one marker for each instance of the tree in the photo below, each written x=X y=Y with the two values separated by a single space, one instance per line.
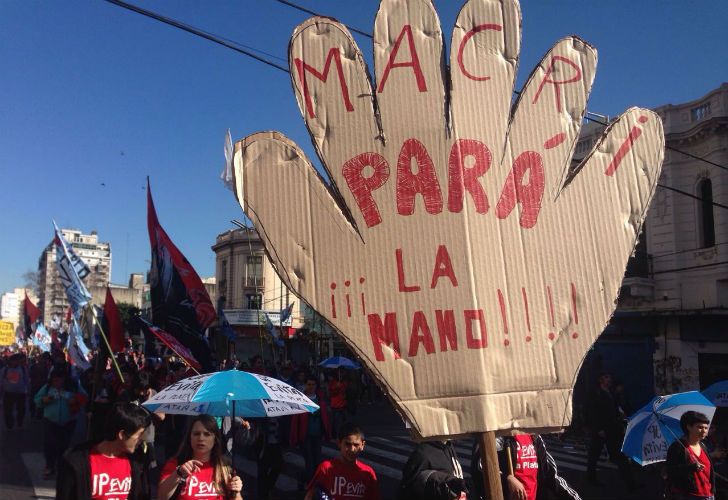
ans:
x=127 y=312
x=31 y=280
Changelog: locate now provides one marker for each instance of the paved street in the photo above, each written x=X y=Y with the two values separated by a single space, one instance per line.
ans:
x=388 y=447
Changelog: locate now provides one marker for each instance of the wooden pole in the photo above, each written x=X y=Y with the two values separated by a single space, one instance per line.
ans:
x=492 y=489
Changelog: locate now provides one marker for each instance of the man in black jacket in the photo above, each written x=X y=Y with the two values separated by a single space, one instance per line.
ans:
x=606 y=428
x=110 y=468
x=432 y=472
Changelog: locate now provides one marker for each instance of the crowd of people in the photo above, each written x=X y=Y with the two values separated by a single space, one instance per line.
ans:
x=123 y=451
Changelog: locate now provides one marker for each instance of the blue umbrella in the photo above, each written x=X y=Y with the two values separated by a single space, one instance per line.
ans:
x=656 y=425
x=230 y=393
x=339 y=362
x=718 y=393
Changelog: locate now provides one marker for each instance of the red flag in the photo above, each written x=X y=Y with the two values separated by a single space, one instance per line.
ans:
x=114 y=328
x=30 y=315
x=173 y=344
x=180 y=303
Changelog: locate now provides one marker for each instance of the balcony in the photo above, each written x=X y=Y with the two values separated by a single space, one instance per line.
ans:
x=639 y=266
x=638 y=285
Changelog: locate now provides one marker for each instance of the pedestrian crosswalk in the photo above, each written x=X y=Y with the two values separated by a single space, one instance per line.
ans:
x=387 y=456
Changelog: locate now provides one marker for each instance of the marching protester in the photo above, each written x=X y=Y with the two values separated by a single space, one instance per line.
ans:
x=433 y=472
x=14 y=383
x=345 y=477
x=528 y=471
x=111 y=468
x=61 y=400
x=268 y=453
x=200 y=468
x=690 y=469
x=308 y=430
x=606 y=428
x=337 y=398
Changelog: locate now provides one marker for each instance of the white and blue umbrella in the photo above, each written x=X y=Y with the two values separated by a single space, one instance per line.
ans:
x=231 y=393
x=717 y=393
x=339 y=362
x=652 y=430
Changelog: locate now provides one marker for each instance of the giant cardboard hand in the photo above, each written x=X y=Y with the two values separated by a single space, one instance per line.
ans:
x=457 y=249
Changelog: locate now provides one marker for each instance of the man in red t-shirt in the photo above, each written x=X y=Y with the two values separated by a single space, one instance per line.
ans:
x=345 y=477
x=109 y=470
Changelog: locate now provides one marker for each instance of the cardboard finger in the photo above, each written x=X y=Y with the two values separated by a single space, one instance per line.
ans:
x=551 y=107
x=268 y=166
x=409 y=60
x=334 y=94
x=483 y=60
x=616 y=181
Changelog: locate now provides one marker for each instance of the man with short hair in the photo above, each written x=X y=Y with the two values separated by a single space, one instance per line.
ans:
x=110 y=469
x=345 y=477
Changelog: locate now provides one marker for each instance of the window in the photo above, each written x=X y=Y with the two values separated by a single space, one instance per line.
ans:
x=255 y=300
x=700 y=112
x=706 y=223
x=254 y=270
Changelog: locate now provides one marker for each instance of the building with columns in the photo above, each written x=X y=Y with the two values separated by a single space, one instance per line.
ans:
x=248 y=290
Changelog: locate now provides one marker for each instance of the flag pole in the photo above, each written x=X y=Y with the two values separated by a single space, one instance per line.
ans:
x=182 y=358
x=106 y=341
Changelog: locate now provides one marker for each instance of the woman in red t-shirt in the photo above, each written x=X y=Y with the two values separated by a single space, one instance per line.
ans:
x=200 y=470
x=689 y=467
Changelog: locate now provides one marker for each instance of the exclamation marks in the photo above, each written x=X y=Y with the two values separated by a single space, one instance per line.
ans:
x=347 y=298
x=573 y=307
x=550 y=299
x=347 y=283
x=625 y=147
x=528 y=315
x=333 y=301
x=504 y=320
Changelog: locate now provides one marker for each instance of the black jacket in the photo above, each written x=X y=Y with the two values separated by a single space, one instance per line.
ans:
x=74 y=476
x=603 y=413
x=680 y=467
x=550 y=484
x=432 y=472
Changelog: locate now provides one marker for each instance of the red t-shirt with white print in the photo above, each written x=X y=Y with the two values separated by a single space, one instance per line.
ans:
x=110 y=477
x=344 y=481
x=201 y=484
x=526 y=466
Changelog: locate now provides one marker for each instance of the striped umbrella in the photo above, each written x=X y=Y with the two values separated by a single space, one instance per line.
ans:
x=652 y=430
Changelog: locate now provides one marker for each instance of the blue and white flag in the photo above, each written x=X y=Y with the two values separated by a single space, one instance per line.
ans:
x=222 y=321
x=272 y=330
x=71 y=269
x=286 y=313
x=42 y=338
x=77 y=350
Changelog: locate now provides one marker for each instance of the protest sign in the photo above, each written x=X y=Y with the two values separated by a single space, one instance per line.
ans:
x=7 y=333
x=458 y=250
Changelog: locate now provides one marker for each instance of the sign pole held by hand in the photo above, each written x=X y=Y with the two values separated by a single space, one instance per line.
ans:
x=491 y=473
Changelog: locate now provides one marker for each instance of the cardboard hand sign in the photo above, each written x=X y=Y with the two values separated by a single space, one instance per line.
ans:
x=457 y=249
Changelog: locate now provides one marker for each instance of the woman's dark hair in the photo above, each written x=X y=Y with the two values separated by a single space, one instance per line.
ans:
x=221 y=473
x=127 y=417
x=691 y=418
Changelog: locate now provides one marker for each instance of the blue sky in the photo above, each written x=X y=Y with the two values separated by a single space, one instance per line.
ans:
x=93 y=94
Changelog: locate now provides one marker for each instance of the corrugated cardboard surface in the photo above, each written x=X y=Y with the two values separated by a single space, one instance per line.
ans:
x=459 y=251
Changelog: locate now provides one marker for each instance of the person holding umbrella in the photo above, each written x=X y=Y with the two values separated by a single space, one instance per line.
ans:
x=200 y=469
x=690 y=471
